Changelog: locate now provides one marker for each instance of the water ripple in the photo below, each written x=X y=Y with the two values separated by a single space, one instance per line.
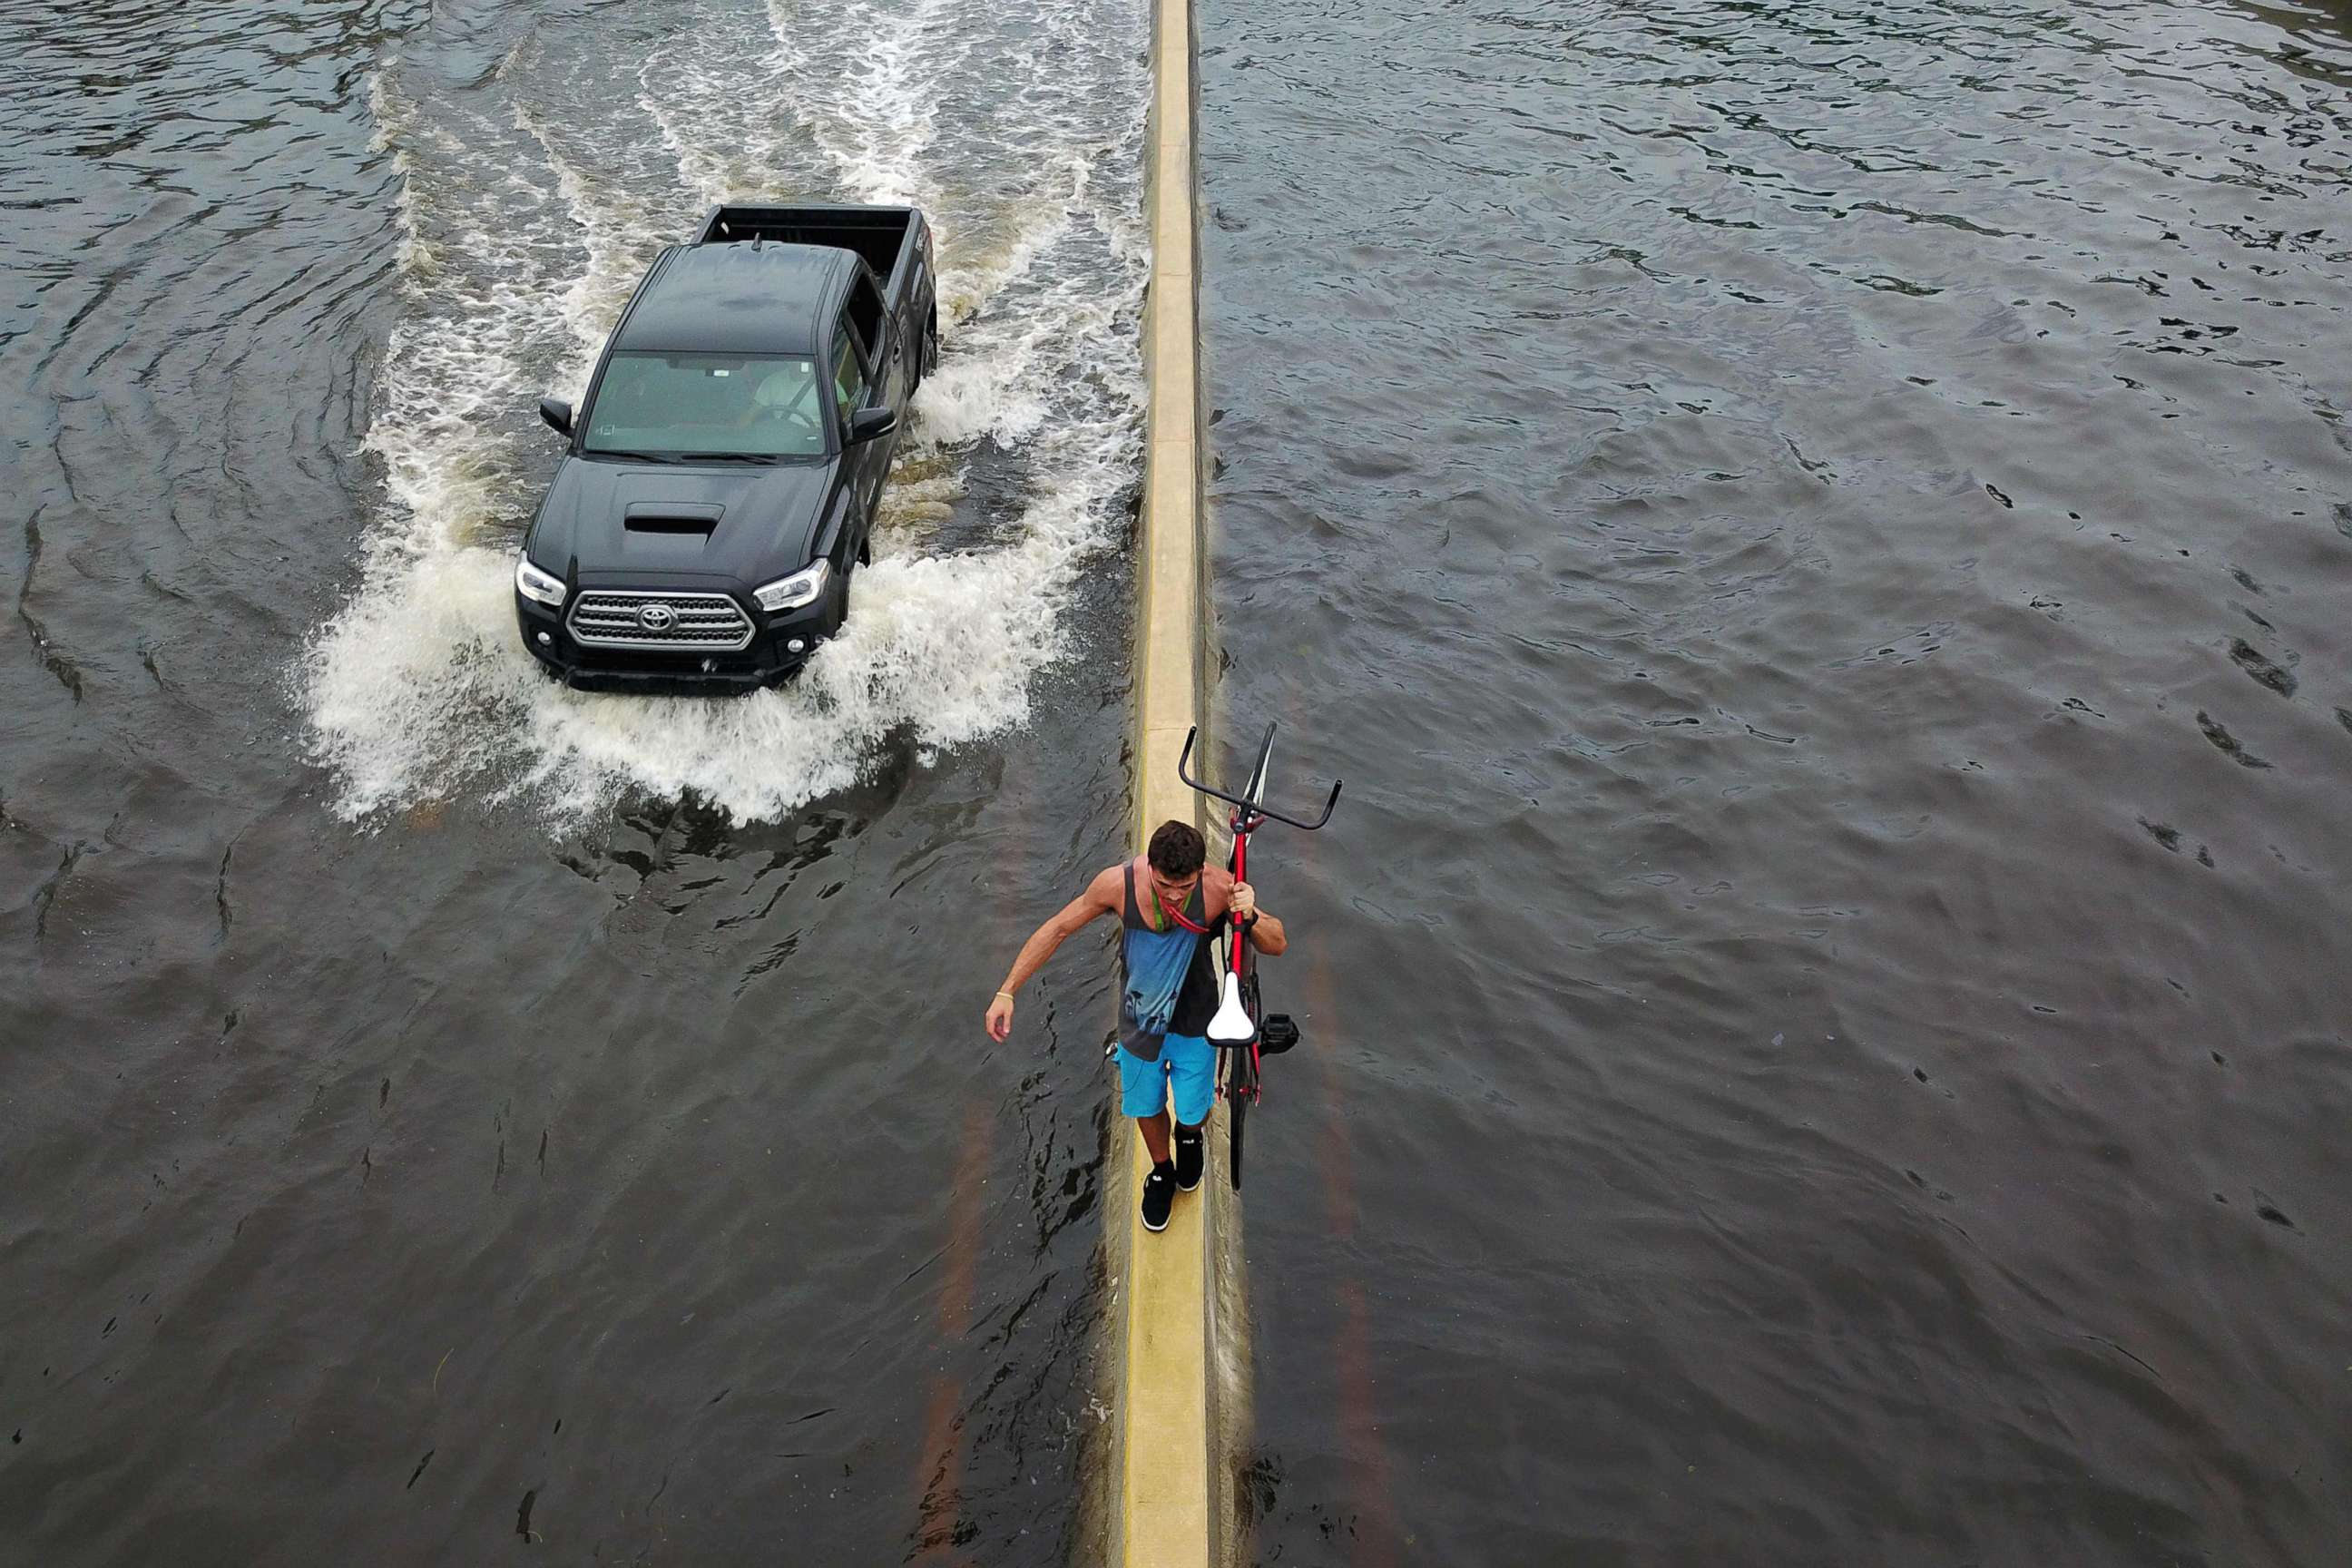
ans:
x=1846 y=933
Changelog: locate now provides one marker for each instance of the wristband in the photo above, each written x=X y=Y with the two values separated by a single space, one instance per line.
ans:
x=1007 y=994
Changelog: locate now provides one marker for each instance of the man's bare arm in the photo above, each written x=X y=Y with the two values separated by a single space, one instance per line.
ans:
x=1265 y=932
x=1067 y=923
x=1102 y=897
x=1268 y=936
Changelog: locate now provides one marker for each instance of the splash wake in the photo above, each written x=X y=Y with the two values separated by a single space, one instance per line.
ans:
x=528 y=203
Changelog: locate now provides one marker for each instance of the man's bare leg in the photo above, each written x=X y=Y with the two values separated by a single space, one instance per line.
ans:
x=1155 y=1136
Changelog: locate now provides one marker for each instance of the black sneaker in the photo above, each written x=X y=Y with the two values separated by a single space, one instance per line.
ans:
x=1159 y=1196
x=1191 y=1155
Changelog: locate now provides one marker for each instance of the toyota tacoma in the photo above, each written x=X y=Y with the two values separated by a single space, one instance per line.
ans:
x=724 y=466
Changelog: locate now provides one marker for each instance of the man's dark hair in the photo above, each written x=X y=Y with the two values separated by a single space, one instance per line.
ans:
x=1177 y=848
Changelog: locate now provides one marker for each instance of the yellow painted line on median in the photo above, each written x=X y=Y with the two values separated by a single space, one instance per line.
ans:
x=1163 y=1457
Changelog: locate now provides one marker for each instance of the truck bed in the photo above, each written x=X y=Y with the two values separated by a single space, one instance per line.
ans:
x=881 y=236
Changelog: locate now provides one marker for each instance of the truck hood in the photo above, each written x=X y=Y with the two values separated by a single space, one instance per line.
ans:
x=641 y=522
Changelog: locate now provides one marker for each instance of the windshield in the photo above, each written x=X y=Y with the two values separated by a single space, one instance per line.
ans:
x=746 y=406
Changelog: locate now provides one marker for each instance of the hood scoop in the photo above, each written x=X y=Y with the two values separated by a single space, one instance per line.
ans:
x=661 y=517
x=668 y=531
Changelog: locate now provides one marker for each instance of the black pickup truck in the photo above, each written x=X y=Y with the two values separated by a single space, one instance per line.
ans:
x=725 y=466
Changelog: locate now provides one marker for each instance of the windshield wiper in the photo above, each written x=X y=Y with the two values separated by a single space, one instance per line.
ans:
x=685 y=457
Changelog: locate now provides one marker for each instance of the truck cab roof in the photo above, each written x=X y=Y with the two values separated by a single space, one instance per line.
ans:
x=738 y=299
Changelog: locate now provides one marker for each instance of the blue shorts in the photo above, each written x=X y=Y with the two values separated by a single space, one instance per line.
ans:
x=1187 y=1063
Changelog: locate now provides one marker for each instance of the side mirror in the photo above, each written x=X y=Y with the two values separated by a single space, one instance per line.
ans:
x=867 y=423
x=558 y=415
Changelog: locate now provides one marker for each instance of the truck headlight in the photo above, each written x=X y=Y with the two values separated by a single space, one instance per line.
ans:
x=804 y=587
x=533 y=583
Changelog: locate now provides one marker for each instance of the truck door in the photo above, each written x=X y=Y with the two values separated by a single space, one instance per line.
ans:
x=912 y=316
x=886 y=361
x=853 y=390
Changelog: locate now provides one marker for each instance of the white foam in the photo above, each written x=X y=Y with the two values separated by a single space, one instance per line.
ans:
x=524 y=228
x=392 y=115
x=621 y=235
x=871 y=88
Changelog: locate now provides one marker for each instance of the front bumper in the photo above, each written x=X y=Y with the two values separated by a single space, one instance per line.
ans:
x=768 y=658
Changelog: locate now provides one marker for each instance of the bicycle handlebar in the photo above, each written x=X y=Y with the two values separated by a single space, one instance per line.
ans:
x=1252 y=807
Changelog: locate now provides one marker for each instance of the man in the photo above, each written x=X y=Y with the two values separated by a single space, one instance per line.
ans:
x=1172 y=908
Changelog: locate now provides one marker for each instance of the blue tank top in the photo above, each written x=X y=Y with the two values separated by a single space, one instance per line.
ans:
x=1154 y=964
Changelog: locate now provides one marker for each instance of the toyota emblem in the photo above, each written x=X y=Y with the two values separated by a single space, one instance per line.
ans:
x=656 y=617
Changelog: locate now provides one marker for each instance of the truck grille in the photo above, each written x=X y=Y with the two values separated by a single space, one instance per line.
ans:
x=606 y=617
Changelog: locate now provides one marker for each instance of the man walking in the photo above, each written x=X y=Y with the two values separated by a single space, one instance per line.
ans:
x=1172 y=907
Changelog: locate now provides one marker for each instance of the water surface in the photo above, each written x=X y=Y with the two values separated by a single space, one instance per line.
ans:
x=441 y=1114
x=1819 y=537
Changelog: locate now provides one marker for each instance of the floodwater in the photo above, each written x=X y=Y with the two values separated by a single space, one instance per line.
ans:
x=1819 y=539
x=441 y=1114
